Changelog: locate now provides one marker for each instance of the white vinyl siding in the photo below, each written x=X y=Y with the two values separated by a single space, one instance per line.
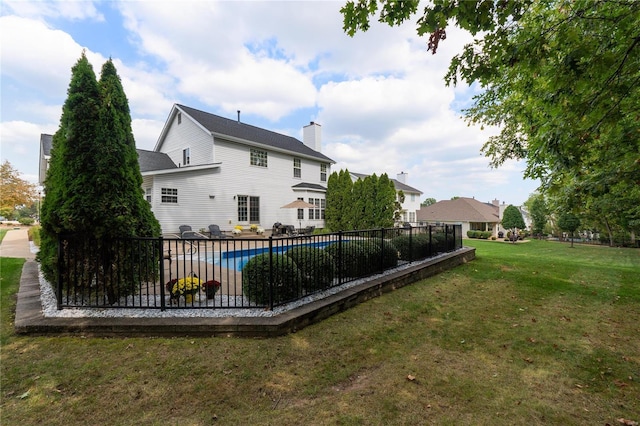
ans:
x=191 y=136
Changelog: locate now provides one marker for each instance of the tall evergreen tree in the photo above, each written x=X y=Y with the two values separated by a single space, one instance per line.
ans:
x=93 y=185
x=119 y=188
x=70 y=179
x=385 y=202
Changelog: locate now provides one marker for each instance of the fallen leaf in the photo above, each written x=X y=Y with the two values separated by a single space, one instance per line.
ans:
x=627 y=422
x=531 y=339
x=528 y=360
x=24 y=395
x=411 y=378
x=619 y=383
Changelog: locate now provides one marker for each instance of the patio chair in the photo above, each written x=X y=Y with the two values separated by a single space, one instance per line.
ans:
x=187 y=233
x=290 y=230
x=278 y=229
x=308 y=230
x=215 y=232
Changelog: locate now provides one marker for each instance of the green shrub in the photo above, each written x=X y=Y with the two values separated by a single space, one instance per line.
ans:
x=379 y=255
x=315 y=265
x=258 y=278
x=26 y=221
x=471 y=234
x=349 y=257
x=389 y=253
x=485 y=235
x=414 y=249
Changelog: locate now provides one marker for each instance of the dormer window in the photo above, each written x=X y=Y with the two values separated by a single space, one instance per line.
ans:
x=186 y=156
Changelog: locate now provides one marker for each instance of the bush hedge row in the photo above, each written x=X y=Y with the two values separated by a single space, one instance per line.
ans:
x=484 y=235
x=304 y=269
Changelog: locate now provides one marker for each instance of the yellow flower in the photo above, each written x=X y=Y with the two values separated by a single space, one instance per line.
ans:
x=188 y=285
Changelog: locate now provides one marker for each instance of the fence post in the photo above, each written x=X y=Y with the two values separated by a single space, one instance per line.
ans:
x=60 y=273
x=382 y=249
x=340 y=258
x=410 y=244
x=430 y=251
x=271 y=272
x=446 y=238
x=163 y=303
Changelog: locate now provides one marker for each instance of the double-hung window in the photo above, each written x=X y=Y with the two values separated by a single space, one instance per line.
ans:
x=297 y=168
x=323 y=172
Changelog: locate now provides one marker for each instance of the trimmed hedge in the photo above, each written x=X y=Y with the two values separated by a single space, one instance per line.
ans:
x=414 y=249
x=257 y=278
x=316 y=266
x=352 y=263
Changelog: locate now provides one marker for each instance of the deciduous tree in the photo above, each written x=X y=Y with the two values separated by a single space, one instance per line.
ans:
x=512 y=219
x=14 y=191
x=569 y=222
x=560 y=78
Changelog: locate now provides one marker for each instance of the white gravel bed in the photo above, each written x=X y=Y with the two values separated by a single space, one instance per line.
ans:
x=50 y=310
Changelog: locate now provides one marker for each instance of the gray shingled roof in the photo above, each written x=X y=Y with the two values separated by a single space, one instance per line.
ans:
x=459 y=210
x=225 y=126
x=396 y=183
x=151 y=160
x=305 y=185
x=45 y=142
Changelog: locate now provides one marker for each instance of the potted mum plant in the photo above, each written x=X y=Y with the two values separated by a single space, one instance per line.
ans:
x=186 y=287
x=211 y=288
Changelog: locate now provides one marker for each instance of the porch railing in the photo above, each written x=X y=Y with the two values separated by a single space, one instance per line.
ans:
x=253 y=273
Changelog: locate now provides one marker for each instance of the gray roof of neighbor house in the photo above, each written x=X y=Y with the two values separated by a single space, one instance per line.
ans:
x=459 y=210
x=396 y=183
x=151 y=160
x=45 y=144
x=237 y=129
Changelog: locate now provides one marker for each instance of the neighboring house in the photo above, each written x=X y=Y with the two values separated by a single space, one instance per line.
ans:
x=206 y=169
x=45 y=156
x=472 y=214
x=411 y=203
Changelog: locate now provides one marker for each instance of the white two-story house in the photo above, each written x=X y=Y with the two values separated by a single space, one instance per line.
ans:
x=206 y=169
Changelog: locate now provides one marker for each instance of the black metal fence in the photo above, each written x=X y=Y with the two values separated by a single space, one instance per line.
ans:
x=253 y=273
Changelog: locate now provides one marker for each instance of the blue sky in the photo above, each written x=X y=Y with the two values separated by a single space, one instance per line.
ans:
x=379 y=96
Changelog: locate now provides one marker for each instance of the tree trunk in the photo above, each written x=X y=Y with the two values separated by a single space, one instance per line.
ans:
x=606 y=223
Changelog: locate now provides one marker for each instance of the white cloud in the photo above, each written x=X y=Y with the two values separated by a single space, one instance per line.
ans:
x=72 y=10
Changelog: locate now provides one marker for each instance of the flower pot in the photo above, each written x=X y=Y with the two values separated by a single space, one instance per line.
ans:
x=188 y=298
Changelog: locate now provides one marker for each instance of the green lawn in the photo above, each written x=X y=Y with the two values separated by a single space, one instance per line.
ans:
x=532 y=333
